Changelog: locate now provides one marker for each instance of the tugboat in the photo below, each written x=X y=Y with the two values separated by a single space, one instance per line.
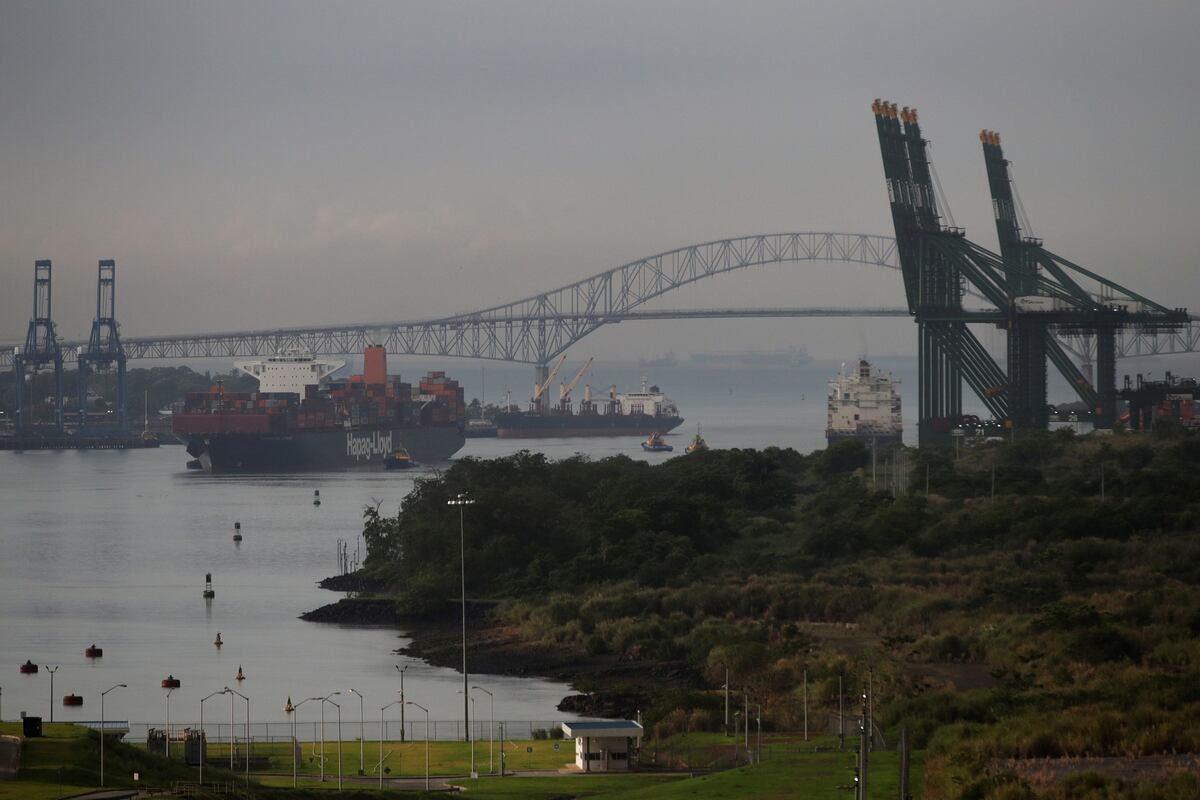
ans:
x=218 y=641
x=29 y=668
x=399 y=459
x=93 y=651
x=655 y=444
x=698 y=444
x=170 y=682
x=72 y=700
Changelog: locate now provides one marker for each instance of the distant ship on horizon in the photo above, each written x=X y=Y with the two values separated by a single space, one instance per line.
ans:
x=668 y=359
x=787 y=357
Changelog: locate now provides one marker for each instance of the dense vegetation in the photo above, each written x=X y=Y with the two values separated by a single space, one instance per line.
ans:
x=1038 y=621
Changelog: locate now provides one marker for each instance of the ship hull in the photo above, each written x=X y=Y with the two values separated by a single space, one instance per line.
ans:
x=322 y=450
x=879 y=437
x=560 y=426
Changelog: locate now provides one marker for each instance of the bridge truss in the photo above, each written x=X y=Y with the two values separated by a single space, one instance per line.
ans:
x=536 y=329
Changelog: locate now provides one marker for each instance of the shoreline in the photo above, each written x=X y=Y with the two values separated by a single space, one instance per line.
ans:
x=604 y=685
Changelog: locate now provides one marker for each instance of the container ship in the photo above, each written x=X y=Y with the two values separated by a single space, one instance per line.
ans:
x=632 y=414
x=302 y=419
x=864 y=405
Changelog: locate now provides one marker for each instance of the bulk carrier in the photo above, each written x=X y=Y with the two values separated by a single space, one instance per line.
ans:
x=630 y=414
x=864 y=405
x=301 y=419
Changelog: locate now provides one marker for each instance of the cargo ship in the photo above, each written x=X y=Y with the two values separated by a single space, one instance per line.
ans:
x=864 y=405
x=630 y=414
x=303 y=419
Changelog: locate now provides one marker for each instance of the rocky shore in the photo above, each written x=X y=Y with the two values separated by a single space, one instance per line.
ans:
x=608 y=686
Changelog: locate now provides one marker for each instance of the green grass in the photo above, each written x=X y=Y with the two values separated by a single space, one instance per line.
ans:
x=74 y=752
x=565 y=786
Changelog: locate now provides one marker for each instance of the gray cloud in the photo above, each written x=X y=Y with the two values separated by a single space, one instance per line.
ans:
x=277 y=163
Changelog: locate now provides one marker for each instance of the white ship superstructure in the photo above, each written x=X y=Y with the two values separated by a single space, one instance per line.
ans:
x=289 y=372
x=649 y=401
x=864 y=405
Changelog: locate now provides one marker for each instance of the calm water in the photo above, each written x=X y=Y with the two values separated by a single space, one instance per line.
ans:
x=112 y=548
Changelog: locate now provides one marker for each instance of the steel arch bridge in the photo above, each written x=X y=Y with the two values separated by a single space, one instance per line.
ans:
x=538 y=328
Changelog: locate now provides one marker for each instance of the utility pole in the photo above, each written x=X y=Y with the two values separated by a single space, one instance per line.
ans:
x=841 y=718
x=863 y=750
x=726 y=699
x=1101 y=481
x=904 y=795
x=806 y=704
x=746 y=718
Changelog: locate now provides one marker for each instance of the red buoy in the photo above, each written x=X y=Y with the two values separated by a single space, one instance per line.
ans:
x=29 y=668
x=170 y=682
x=93 y=651
x=72 y=700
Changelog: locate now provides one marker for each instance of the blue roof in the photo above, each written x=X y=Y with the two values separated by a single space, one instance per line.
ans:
x=615 y=723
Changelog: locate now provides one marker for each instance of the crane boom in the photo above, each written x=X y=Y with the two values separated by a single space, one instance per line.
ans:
x=564 y=390
x=540 y=389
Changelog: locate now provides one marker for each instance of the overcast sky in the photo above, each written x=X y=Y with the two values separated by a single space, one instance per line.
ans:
x=253 y=164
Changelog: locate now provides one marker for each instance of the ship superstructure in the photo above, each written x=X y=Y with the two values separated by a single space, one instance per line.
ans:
x=864 y=404
x=289 y=372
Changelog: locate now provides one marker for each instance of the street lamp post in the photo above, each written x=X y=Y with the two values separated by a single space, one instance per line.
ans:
x=168 y=723
x=203 y=738
x=339 y=708
x=381 y=710
x=426 y=710
x=325 y=700
x=491 y=725
x=361 y=731
x=401 y=671
x=462 y=500
x=53 y=670
x=295 y=743
x=106 y=691
x=246 y=755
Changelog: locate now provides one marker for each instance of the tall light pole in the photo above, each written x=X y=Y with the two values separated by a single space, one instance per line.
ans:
x=381 y=710
x=361 y=731
x=106 y=691
x=246 y=756
x=203 y=738
x=296 y=744
x=325 y=700
x=339 y=708
x=55 y=669
x=401 y=671
x=426 y=710
x=491 y=725
x=168 y=723
x=462 y=500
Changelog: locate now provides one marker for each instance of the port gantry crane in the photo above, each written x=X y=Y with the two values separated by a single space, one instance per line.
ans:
x=540 y=385
x=565 y=389
x=104 y=348
x=1030 y=289
x=41 y=348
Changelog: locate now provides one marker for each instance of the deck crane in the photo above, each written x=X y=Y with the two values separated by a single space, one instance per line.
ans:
x=535 y=402
x=565 y=389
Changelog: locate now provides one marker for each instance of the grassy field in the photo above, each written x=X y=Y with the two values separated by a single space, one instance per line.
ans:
x=789 y=768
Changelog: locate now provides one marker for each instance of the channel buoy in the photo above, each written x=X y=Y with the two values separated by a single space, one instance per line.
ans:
x=240 y=676
x=237 y=531
x=29 y=668
x=218 y=641
x=316 y=497
x=93 y=651
x=208 y=589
